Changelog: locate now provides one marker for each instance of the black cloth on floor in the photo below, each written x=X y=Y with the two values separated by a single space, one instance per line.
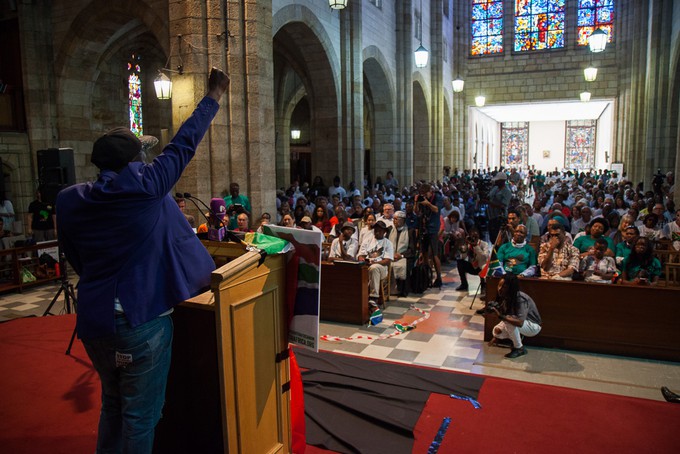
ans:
x=356 y=405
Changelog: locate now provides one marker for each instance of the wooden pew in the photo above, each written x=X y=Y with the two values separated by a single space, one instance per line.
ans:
x=602 y=318
x=344 y=293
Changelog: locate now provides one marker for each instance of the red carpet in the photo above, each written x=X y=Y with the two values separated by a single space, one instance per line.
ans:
x=49 y=402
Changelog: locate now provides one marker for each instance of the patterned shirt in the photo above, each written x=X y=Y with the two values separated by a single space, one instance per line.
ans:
x=605 y=265
x=564 y=257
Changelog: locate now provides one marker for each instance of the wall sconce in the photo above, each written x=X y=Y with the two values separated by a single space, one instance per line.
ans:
x=597 y=41
x=458 y=84
x=163 y=86
x=421 y=54
x=585 y=96
x=590 y=74
x=337 y=4
x=295 y=134
x=162 y=83
x=480 y=101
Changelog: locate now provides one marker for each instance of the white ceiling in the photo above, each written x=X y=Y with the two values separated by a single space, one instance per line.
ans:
x=556 y=111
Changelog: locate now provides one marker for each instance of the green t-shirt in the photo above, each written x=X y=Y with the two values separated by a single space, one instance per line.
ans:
x=516 y=260
x=585 y=242
x=653 y=269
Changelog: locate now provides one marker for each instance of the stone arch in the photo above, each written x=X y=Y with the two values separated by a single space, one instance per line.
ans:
x=302 y=45
x=379 y=101
x=421 y=133
x=91 y=65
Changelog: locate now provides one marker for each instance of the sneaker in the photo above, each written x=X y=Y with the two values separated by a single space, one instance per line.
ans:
x=516 y=352
x=462 y=288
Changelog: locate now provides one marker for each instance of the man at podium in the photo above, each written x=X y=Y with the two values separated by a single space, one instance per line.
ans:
x=137 y=258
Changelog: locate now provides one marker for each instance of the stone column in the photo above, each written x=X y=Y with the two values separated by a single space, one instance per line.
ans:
x=351 y=96
x=236 y=36
x=404 y=103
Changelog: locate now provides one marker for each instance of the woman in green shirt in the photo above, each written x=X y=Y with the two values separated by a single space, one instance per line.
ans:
x=641 y=267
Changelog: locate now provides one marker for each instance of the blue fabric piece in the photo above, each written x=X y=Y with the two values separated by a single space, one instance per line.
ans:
x=126 y=237
x=474 y=402
x=437 y=442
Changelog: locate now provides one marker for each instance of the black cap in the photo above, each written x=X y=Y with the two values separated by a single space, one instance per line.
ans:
x=115 y=149
x=380 y=225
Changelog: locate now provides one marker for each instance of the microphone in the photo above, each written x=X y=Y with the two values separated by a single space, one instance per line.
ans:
x=218 y=233
x=180 y=196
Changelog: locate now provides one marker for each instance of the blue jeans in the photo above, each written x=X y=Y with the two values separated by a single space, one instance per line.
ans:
x=133 y=368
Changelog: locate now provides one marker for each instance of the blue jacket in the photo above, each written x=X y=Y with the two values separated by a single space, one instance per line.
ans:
x=126 y=237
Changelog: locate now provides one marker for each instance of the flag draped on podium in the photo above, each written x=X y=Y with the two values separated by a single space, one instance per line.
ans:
x=306 y=259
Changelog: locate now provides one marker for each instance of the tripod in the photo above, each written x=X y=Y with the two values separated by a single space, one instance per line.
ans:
x=501 y=231
x=70 y=300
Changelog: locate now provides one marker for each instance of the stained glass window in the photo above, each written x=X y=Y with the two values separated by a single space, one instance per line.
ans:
x=580 y=149
x=135 y=95
x=594 y=14
x=487 y=27
x=514 y=144
x=539 y=24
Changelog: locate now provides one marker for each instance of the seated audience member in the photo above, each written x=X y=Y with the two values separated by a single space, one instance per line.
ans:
x=648 y=228
x=243 y=223
x=377 y=252
x=599 y=267
x=518 y=316
x=266 y=218
x=404 y=247
x=345 y=247
x=476 y=254
x=626 y=221
x=630 y=236
x=558 y=259
x=217 y=221
x=453 y=235
x=553 y=225
x=517 y=256
x=387 y=215
x=182 y=204
x=341 y=217
x=306 y=224
x=287 y=221
x=320 y=219
x=579 y=225
x=641 y=267
x=672 y=231
x=585 y=243
x=367 y=229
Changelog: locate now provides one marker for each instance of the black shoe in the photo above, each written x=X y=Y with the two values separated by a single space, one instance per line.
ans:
x=670 y=396
x=437 y=283
x=462 y=288
x=516 y=352
x=501 y=343
x=481 y=311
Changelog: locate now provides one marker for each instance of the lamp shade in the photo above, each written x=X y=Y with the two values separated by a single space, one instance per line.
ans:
x=422 y=55
x=590 y=74
x=597 y=41
x=458 y=85
x=295 y=134
x=480 y=101
x=163 y=86
x=337 y=4
x=585 y=96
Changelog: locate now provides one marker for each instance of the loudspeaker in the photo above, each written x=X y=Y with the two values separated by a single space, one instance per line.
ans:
x=56 y=170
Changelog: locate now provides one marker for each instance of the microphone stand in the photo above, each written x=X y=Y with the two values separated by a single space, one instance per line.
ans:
x=228 y=233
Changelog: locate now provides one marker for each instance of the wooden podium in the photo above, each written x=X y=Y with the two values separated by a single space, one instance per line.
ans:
x=229 y=378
